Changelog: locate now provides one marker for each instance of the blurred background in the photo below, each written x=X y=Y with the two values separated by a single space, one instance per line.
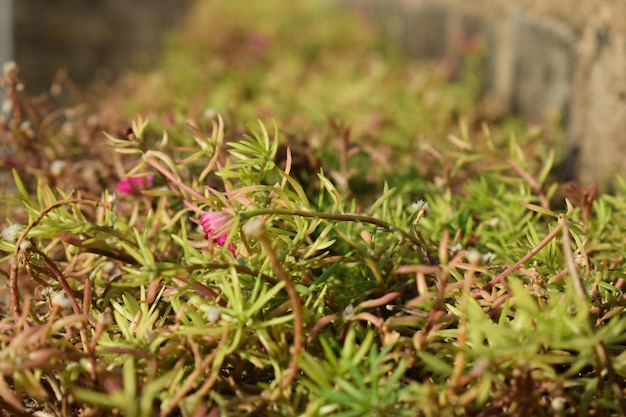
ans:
x=91 y=40
x=559 y=62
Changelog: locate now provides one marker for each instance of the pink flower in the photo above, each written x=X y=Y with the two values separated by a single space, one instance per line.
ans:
x=133 y=185
x=216 y=227
x=471 y=44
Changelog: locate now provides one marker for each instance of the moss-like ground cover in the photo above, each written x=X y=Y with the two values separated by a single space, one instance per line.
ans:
x=303 y=222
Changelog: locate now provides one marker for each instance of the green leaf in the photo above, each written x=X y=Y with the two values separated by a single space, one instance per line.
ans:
x=435 y=364
x=20 y=185
x=539 y=209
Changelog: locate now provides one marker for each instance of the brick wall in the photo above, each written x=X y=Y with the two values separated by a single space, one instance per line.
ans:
x=546 y=59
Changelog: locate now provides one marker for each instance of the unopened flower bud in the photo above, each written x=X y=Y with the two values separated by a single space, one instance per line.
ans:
x=56 y=168
x=9 y=67
x=12 y=232
x=25 y=245
x=213 y=314
x=60 y=300
x=421 y=205
x=254 y=228
x=474 y=257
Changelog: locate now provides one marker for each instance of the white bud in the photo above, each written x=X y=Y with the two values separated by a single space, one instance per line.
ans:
x=92 y=121
x=421 y=205
x=474 y=257
x=488 y=258
x=9 y=67
x=348 y=312
x=12 y=232
x=26 y=124
x=108 y=267
x=56 y=168
x=455 y=248
x=209 y=113
x=60 y=300
x=213 y=314
x=7 y=107
x=558 y=404
x=25 y=245
x=254 y=227
x=70 y=114
x=55 y=89
x=67 y=128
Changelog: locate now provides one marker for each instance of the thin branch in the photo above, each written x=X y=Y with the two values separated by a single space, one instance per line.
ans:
x=290 y=287
x=13 y=287
x=529 y=255
x=532 y=182
x=571 y=266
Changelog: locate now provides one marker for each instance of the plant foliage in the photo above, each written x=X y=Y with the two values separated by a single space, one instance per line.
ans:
x=252 y=273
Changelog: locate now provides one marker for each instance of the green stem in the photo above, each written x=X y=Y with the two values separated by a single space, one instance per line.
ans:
x=342 y=217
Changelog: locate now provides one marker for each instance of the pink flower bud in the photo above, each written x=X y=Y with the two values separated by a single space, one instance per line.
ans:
x=133 y=185
x=216 y=227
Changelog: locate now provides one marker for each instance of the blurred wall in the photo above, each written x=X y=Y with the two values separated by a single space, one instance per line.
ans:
x=89 y=38
x=546 y=59
x=6 y=31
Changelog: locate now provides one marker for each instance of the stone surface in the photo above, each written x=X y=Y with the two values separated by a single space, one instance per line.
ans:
x=543 y=62
x=598 y=131
x=552 y=60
